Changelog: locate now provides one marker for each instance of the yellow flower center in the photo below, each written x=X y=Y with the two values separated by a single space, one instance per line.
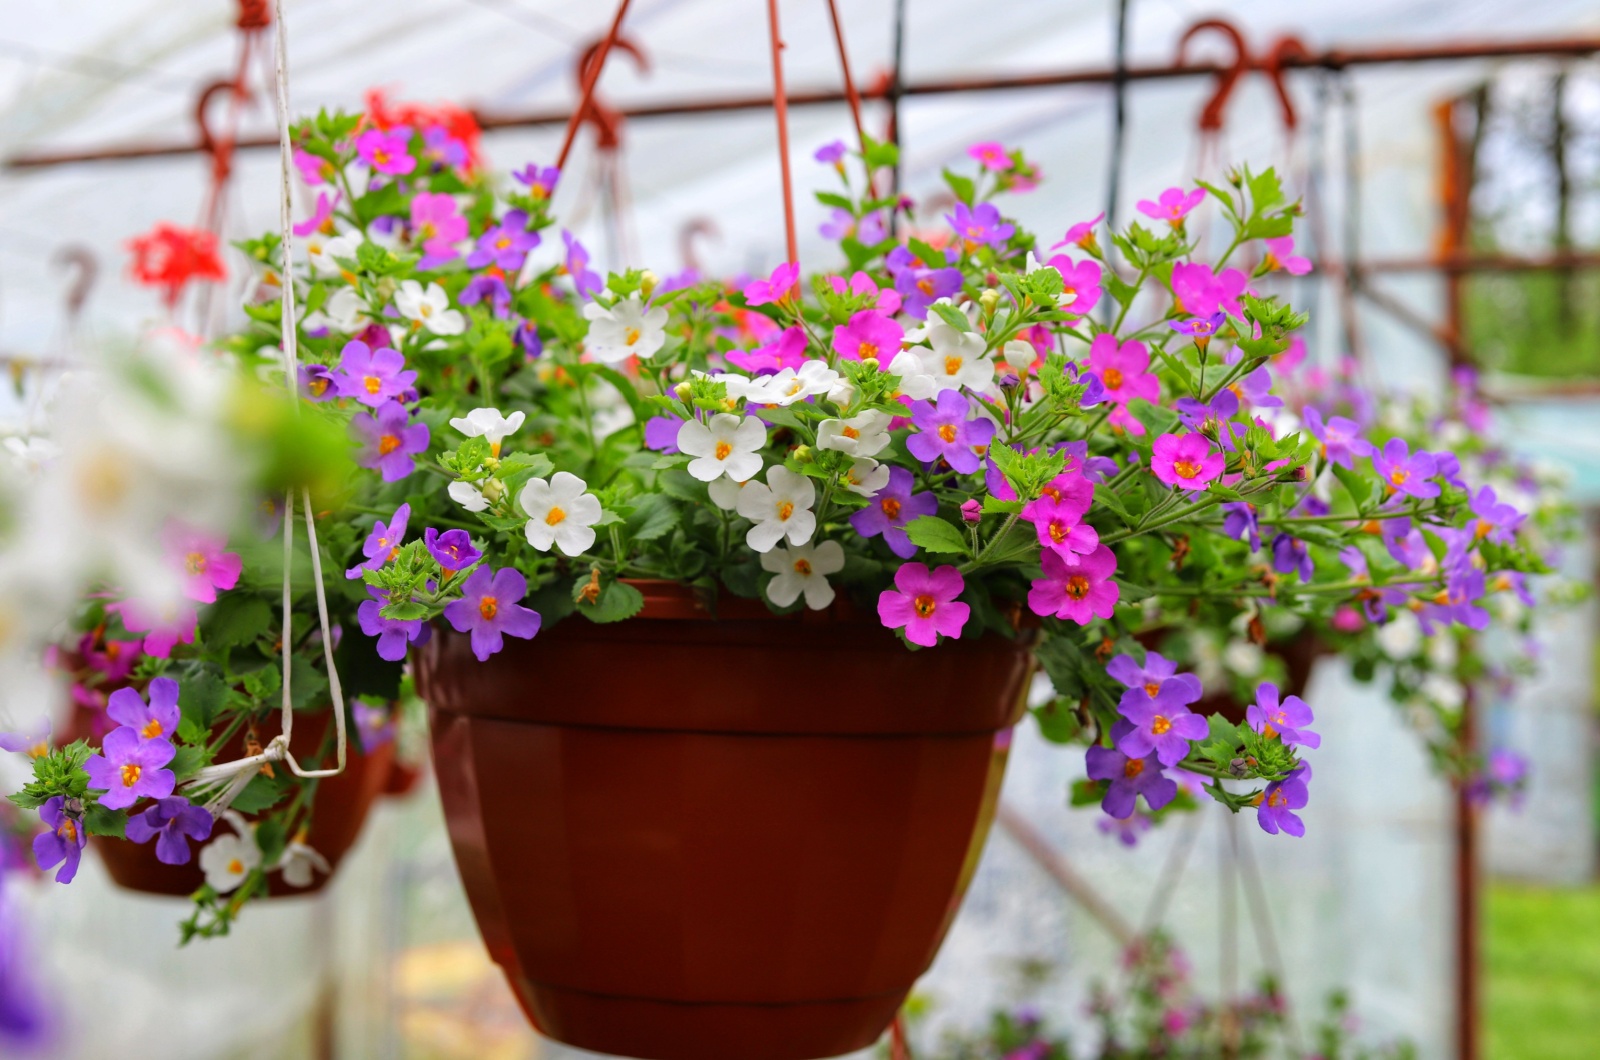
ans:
x=502 y=243
x=1077 y=587
x=151 y=730
x=952 y=365
x=388 y=444
x=924 y=605
x=130 y=774
x=947 y=431
x=194 y=562
x=555 y=515
x=1186 y=468
x=372 y=383
x=1152 y=689
x=785 y=509
x=236 y=867
x=867 y=349
x=1160 y=726
x=849 y=432
x=1399 y=475
x=68 y=831
x=723 y=450
x=631 y=336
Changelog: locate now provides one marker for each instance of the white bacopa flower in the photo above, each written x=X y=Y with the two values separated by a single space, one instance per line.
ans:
x=780 y=508
x=725 y=493
x=726 y=445
x=1244 y=657
x=228 y=859
x=625 y=330
x=866 y=434
x=916 y=382
x=322 y=250
x=468 y=496
x=491 y=424
x=866 y=476
x=1443 y=690
x=560 y=513
x=788 y=386
x=1020 y=355
x=344 y=312
x=428 y=308
x=30 y=454
x=1401 y=636
x=803 y=569
x=300 y=863
x=956 y=359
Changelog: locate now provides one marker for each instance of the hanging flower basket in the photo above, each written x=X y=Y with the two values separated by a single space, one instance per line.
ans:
x=677 y=849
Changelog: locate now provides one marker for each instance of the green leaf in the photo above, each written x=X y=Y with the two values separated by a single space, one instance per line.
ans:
x=653 y=517
x=1058 y=722
x=618 y=601
x=963 y=187
x=99 y=820
x=1360 y=489
x=237 y=618
x=1156 y=419
x=952 y=316
x=262 y=793
x=188 y=761
x=200 y=697
x=934 y=534
x=994 y=505
x=684 y=487
x=310 y=684
x=837 y=201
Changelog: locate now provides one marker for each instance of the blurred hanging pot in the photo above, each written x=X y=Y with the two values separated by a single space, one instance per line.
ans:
x=341 y=808
x=678 y=849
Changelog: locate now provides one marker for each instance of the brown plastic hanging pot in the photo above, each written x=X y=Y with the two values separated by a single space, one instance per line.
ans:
x=341 y=809
x=687 y=838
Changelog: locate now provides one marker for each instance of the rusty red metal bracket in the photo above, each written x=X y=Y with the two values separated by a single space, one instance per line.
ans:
x=1286 y=52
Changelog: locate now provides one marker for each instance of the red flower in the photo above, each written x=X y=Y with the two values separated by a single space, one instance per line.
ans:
x=171 y=257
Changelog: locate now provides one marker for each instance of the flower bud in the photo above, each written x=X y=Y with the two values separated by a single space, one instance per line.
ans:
x=647 y=283
x=386 y=288
x=492 y=489
x=971 y=511
x=989 y=299
x=1238 y=768
x=870 y=363
x=803 y=455
x=1020 y=355
x=683 y=390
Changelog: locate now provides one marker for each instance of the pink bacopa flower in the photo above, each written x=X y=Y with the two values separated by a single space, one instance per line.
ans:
x=1200 y=292
x=1080 y=284
x=991 y=155
x=860 y=285
x=388 y=440
x=387 y=150
x=372 y=377
x=1079 y=590
x=155 y=720
x=1123 y=371
x=869 y=334
x=201 y=559
x=783 y=284
x=786 y=349
x=1172 y=206
x=488 y=609
x=164 y=627
x=1081 y=234
x=130 y=768
x=437 y=225
x=924 y=603
x=1186 y=461
x=1281 y=255
x=313 y=170
x=322 y=218
x=1057 y=516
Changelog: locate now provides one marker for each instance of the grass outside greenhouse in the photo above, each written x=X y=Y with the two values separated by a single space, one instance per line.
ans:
x=1543 y=963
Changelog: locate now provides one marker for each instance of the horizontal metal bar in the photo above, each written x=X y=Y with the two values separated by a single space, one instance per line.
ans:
x=1332 y=59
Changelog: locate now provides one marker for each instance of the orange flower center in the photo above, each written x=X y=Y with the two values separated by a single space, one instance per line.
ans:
x=372 y=383
x=68 y=831
x=555 y=516
x=867 y=349
x=1077 y=587
x=785 y=509
x=723 y=449
x=151 y=730
x=925 y=285
x=388 y=444
x=1186 y=468
x=631 y=336
x=1058 y=532
x=1160 y=725
x=488 y=607
x=849 y=432
x=1399 y=475
x=131 y=774
x=890 y=506
x=802 y=567
x=1112 y=378
x=236 y=867
x=947 y=431
x=194 y=563
x=924 y=605
x=1152 y=689
x=952 y=365
x=1133 y=767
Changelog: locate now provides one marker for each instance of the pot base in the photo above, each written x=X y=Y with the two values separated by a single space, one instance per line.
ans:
x=674 y=1030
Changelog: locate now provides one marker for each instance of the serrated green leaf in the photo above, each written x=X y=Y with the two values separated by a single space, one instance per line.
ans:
x=200 y=698
x=935 y=535
x=618 y=601
x=101 y=821
x=236 y=618
x=262 y=793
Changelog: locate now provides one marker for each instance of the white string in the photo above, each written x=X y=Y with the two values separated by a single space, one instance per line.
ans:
x=235 y=775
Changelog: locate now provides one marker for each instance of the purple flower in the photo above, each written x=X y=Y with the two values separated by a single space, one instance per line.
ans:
x=34 y=742
x=387 y=151
x=840 y=223
x=1130 y=777
x=1449 y=469
x=1514 y=581
x=394 y=635
x=63 y=844
x=506 y=244
x=1284 y=720
x=129 y=768
x=661 y=434
x=317 y=383
x=980 y=226
x=371 y=376
x=1403 y=472
x=374 y=724
x=1404 y=543
x=830 y=154
x=943 y=430
x=918 y=284
x=541 y=182
x=1457 y=601
x=488 y=288
x=1208 y=418
x=891 y=509
x=439 y=146
x=171 y=822
x=1127 y=833
x=1275 y=810
x=527 y=337
x=1340 y=437
x=1256 y=389
x=388 y=440
x=1375 y=602
x=585 y=279
x=1241 y=522
x=452 y=549
x=382 y=544
x=1200 y=329
x=488 y=608
x=1497 y=522
x=1291 y=555
x=153 y=721
x=1156 y=682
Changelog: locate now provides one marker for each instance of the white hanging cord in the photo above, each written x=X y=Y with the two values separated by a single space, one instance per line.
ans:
x=235 y=775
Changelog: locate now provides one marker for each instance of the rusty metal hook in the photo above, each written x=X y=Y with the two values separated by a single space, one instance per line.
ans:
x=606 y=121
x=1228 y=77
x=693 y=229
x=84 y=265
x=1284 y=49
x=208 y=140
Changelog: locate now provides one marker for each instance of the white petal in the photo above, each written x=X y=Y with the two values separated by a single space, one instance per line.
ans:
x=572 y=538
x=763 y=536
x=784 y=589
